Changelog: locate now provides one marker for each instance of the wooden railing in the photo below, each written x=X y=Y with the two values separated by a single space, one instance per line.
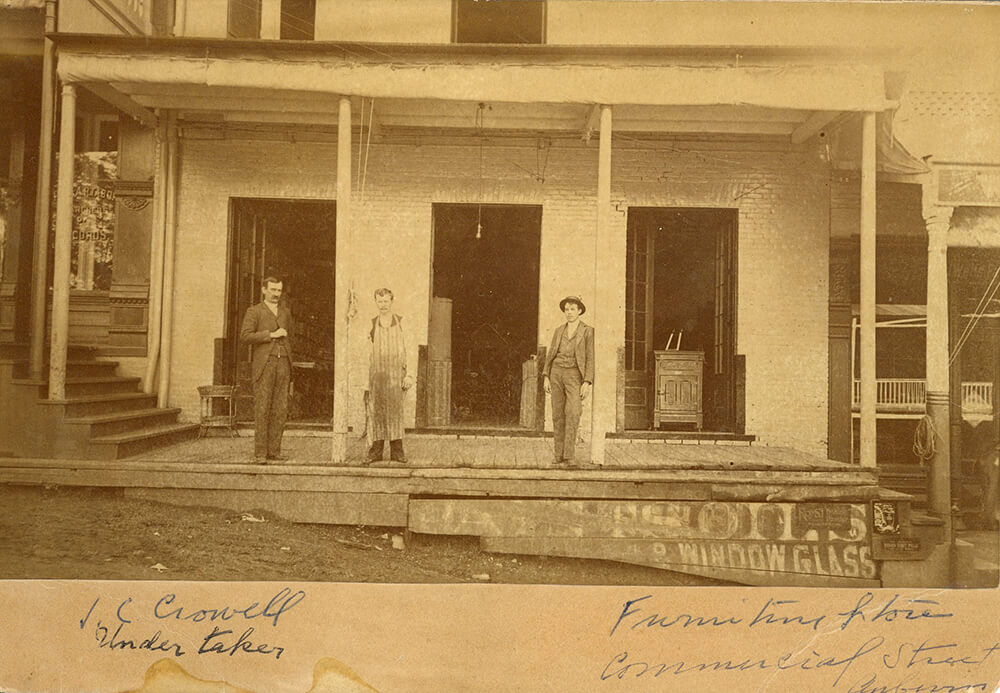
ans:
x=909 y=396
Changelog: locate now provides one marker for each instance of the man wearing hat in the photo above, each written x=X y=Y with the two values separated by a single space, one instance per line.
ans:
x=569 y=375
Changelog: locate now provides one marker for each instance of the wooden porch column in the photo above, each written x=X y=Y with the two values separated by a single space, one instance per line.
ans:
x=156 y=256
x=868 y=385
x=63 y=246
x=342 y=286
x=938 y=220
x=43 y=197
x=169 y=249
x=605 y=388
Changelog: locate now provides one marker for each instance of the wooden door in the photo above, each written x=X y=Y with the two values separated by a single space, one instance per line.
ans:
x=638 y=325
x=724 y=351
x=246 y=272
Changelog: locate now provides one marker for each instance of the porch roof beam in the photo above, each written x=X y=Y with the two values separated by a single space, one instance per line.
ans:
x=813 y=124
x=276 y=103
x=539 y=124
x=122 y=102
x=266 y=117
x=823 y=88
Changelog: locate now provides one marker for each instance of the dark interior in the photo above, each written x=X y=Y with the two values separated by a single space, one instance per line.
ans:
x=293 y=240
x=492 y=281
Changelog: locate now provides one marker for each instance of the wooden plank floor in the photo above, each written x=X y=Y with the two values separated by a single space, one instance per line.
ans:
x=501 y=452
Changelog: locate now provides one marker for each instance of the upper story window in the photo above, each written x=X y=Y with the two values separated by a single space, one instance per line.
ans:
x=244 y=19
x=272 y=19
x=498 y=21
x=298 y=19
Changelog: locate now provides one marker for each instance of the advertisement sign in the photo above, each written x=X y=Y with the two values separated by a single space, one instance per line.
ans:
x=92 y=256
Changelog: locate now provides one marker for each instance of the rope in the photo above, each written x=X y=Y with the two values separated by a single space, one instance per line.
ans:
x=923 y=440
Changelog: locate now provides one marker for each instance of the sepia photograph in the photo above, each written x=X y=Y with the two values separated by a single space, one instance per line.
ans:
x=482 y=304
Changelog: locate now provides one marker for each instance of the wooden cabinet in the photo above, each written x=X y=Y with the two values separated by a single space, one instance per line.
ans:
x=678 y=382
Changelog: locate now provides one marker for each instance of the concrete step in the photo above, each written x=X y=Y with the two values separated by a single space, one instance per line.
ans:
x=985 y=574
x=92 y=405
x=929 y=528
x=135 y=442
x=113 y=423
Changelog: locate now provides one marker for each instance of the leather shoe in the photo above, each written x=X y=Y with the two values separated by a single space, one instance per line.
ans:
x=399 y=458
x=259 y=460
x=278 y=458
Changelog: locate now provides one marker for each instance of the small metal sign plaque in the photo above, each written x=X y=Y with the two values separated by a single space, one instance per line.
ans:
x=820 y=516
x=898 y=548
x=901 y=544
x=885 y=517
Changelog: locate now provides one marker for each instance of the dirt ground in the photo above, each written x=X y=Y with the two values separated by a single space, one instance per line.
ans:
x=85 y=533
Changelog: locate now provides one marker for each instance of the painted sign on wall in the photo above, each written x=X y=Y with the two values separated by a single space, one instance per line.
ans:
x=817 y=539
x=969 y=185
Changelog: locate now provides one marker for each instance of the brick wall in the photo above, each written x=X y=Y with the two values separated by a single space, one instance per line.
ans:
x=781 y=194
x=783 y=200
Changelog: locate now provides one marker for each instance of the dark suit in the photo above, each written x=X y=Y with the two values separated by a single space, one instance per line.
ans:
x=271 y=372
x=565 y=382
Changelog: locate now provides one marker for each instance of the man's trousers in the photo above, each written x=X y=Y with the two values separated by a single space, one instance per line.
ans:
x=566 y=407
x=270 y=403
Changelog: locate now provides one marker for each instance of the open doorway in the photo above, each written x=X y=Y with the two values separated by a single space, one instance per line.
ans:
x=293 y=240
x=680 y=366
x=485 y=283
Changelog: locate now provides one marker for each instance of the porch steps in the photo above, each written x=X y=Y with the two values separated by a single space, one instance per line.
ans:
x=19 y=350
x=91 y=367
x=102 y=425
x=984 y=574
x=142 y=440
x=93 y=405
x=85 y=385
x=906 y=478
x=104 y=416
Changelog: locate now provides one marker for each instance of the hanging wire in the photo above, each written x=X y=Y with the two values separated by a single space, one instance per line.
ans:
x=988 y=295
x=368 y=144
x=361 y=129
x=479 y=209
